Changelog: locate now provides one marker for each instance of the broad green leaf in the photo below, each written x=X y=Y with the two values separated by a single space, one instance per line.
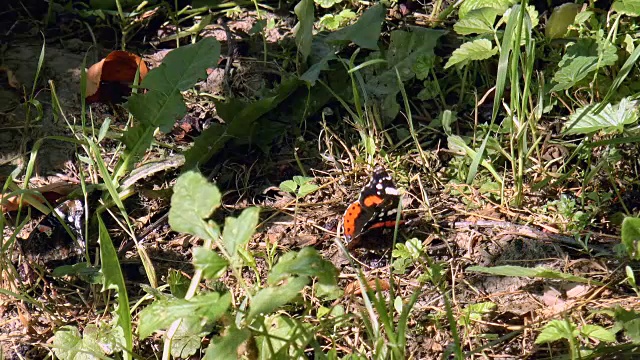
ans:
x=327 y=3
x=178 y=283
x=539 y=272
x=238 y=232
x=301 y=180
x=582 y=58
x=271 y=298
x=423 y=65
x=162 y=104
x=289 y=186
x=186 y=341
x=211 y=264
x=631 y=236
x=469 y=5
x=365 y=32
x=193 y=200
x=478 y=21
x=69 y=345
x=478 y=49
x=162 y=313
x=225 y=347
x=307 y=189
x=404 y=49
x=627 y=7
x=306 y=262
x=611 y=119
x=84 y=271
x=113 y=279
x=561 y=17
x=209 y=143
x=556 y=330
x=303 y=30
x=598 y=332
x=285 y=339
x=329 y=22
x=629 y=321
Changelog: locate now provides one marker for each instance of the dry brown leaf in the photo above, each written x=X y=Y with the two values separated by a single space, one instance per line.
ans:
x=117 y=69
x=11 y=77
x=50 y=193
x=354 y=287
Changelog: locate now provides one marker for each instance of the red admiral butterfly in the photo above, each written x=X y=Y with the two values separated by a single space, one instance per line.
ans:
x=376 y=207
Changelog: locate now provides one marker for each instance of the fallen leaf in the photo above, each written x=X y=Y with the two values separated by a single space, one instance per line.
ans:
x=354 y=287
x=11 y=77
x=109 y=79
x=50 y=193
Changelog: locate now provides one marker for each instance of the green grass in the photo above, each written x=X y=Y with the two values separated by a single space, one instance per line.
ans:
x=516 y=154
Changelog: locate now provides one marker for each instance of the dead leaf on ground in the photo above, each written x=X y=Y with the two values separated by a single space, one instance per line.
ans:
x=11 y=77
x=50 y=193
x=109 y=79
x=354 y=287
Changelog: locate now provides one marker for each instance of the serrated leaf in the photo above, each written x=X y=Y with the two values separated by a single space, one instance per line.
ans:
x=162 y=313
x=611 y=119
x=404 y=50
x=478 y=49
x=69 y=345
x=225 y=347
x=627 y=7
x=631 y=236
x=469 y=5
x=598 y=332
x=303 y=30
x=539 y=272
x=556 y=330
x=269 y=299
x=238 y=232
x=162 y=104
x=211 y=264
x=581 y=59
x=478 y=21
x=193 y=200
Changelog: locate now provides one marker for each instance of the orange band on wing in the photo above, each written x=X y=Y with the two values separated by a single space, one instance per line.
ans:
x=372 y=200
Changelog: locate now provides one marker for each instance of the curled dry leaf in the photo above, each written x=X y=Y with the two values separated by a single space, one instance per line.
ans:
x=11 y=77
x=51 y=193
x=109 y=79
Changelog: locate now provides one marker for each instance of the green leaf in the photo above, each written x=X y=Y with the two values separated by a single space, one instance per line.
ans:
x=631 y=236
x=289 y=186
x=303 y=30
x=306 y=189
x=582 y=58
x=238 y=232
x=479 y=49
x=327 y=3
x=186 y=341
x=211 y=264
x=113 y=279
x=627 y=7
x=83 y=271
x=193 y=200
x=306 y=262
x=179 y=71
x=94 y=343
x=598 y=332
x=178 y=283
x=285 y=338
x=469 y=5
x=365 y=32
x=539 y=272
x=225 y=347
x=269 y=299
x=162 y=313
x=560 y=19
x=478 y=21
x=611 y=119
x=556 y=330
